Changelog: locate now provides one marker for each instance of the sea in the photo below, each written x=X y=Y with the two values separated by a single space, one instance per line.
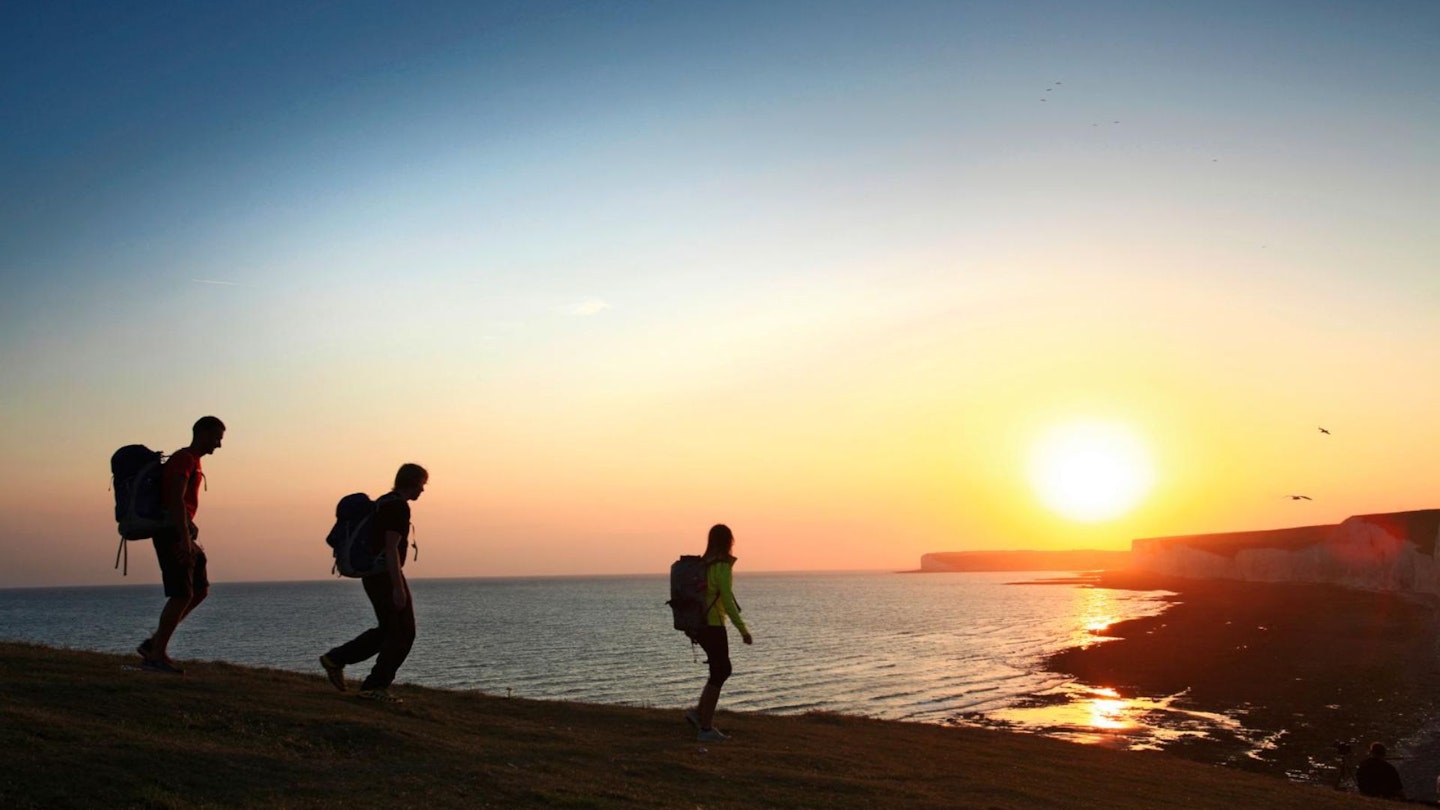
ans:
x=964 y=648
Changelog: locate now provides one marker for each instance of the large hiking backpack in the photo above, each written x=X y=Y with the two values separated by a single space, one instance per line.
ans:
x=349 y=538
x=687 y=593
x=135 y=472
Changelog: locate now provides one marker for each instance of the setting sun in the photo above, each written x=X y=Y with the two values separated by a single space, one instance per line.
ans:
x=1091 y=471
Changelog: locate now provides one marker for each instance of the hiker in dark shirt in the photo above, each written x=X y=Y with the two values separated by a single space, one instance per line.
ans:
x=182 y=560
x=389 y=642
x=1376 y=777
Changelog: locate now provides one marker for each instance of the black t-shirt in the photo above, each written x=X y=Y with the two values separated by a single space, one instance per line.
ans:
x=392 y=514
x=1376 y=777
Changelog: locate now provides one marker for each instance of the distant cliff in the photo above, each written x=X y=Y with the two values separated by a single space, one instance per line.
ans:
x=1393 y=551
x=1027 y=560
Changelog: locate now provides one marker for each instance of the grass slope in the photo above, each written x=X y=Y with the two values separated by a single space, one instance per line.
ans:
x=77 y=730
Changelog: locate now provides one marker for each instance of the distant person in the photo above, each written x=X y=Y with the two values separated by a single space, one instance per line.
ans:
x=389 y=642
x=713 y=638
x=1376 y=777
x=182 y=559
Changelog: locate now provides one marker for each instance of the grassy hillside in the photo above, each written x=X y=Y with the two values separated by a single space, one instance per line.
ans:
x=77 y=730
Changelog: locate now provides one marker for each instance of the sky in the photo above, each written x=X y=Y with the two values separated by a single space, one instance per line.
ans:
x=828 y=272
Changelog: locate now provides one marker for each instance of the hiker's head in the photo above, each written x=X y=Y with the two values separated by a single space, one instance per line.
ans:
x=206 y=435
x=1377 y=750
x=410 y=481
x=721 y=541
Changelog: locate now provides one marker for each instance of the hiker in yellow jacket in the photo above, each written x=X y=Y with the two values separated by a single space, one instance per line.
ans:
x=713 y=639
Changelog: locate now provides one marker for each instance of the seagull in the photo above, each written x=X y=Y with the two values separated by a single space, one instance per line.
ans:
x=1326 y=432
x=1300 y=497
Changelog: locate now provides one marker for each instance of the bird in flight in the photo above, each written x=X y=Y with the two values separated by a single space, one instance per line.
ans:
x=1300 y=497
x=1326 y=432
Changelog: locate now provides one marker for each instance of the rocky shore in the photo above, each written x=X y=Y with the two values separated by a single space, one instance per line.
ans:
x=1301 y=667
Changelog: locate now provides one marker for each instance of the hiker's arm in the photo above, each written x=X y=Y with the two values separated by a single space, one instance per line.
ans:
x=392 y=564
x=173 y=494
x=727 y=599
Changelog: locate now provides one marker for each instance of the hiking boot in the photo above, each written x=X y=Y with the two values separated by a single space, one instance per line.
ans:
x=379 y=696
x=711 y=735
x=693 y=718
x=334 y=672
x=162 y=665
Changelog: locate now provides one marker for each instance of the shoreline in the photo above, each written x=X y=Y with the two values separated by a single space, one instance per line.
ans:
x=1299 y=666
x=83 y=729
x=1200 y=678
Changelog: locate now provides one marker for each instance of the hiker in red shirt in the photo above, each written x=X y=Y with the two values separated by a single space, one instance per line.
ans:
x=182 y=559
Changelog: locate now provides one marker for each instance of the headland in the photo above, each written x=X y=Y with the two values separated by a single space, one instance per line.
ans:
x=1024 y=560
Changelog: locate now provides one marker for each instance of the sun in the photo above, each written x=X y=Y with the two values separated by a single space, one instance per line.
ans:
x=1091 y=471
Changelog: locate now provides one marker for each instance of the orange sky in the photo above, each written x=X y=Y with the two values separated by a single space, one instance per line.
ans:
x=829 y=295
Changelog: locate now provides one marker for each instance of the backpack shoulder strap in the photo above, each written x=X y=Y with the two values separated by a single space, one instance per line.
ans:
x=411 y=539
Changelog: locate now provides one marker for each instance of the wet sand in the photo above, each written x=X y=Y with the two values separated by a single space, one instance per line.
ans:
x=1299 y=666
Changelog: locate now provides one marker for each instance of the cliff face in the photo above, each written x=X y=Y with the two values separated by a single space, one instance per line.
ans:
x=1386 y=552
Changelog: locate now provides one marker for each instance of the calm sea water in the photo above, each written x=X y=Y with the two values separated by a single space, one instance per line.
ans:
x=931 y=647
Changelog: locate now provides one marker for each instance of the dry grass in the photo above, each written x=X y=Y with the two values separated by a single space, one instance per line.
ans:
x=78 y=731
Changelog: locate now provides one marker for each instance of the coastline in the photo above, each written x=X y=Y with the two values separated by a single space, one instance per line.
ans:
x=84 y=729
x=1299 y=666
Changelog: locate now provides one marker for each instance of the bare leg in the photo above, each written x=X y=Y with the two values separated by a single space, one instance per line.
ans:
x=175 y=610
x=194 y=602
x=170 y=616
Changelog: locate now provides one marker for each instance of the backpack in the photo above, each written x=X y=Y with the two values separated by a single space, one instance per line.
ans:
x=688 y=584
x=135 y=472
x=349 y=537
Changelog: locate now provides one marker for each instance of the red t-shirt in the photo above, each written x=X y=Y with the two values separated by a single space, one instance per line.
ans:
x=185 y=466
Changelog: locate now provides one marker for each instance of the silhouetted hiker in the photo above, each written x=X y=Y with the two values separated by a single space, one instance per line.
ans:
x=182 y=559
x=713 y=638
x=388 y=592
x=1376 y=777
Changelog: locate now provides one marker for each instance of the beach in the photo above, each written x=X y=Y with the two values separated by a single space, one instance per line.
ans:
x=1300 y=666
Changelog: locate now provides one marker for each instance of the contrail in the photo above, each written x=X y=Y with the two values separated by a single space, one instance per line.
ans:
x=213 y=281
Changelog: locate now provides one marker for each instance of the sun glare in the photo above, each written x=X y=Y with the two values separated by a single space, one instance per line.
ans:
x=1092 y=471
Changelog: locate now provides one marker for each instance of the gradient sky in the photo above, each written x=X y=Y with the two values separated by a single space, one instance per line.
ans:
x=615 y=271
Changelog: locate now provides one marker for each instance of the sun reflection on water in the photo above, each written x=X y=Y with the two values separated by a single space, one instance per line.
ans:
x=1102 y=715
x=1107 y=710
x=1095 y=612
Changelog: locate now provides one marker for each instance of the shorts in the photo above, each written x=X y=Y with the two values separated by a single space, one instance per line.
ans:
x=180 y=579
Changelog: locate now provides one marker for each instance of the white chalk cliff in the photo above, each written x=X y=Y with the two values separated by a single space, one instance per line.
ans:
x=1389 y=552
